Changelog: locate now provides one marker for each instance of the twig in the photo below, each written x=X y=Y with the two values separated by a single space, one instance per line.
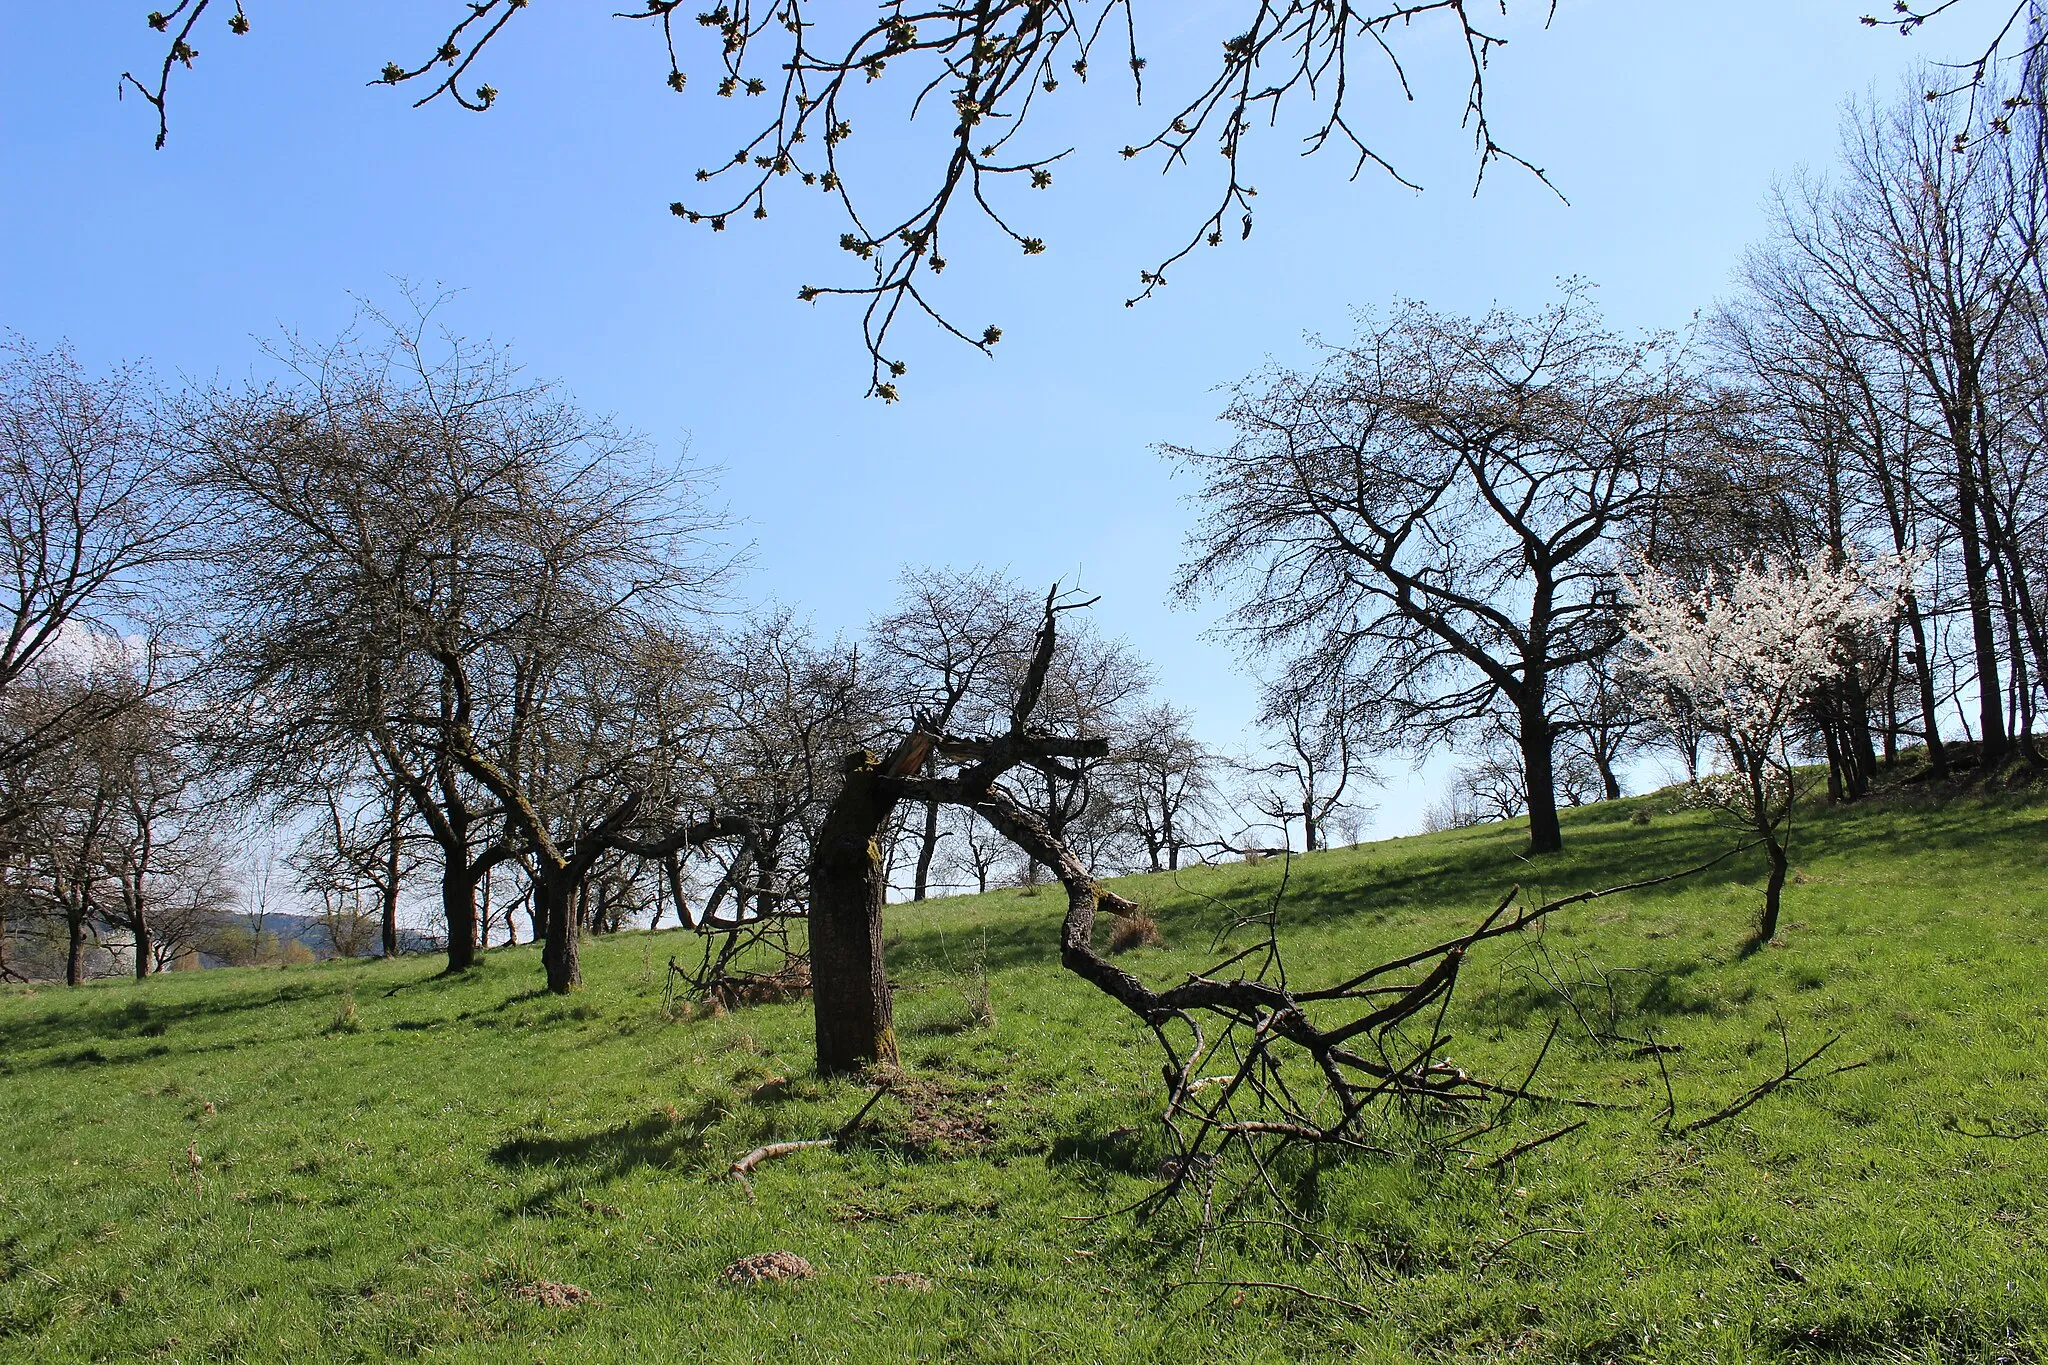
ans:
x=1279 y=1285
x=1493 y=1253
x=1956 y=1126
x=1531 y=1145
x=739 y=1169
x=1788 y=1076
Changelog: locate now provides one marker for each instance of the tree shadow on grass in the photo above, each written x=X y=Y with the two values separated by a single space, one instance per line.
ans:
x=1617 y=999
x=86 y=1058
x=661 y=1139
x=146 y=1018
x=1371 y=884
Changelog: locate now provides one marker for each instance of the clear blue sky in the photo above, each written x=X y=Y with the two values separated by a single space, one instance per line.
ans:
x=288 y=186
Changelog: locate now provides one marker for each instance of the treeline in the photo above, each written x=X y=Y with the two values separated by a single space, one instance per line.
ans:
x=1433 y=527
x=479 y=651
x=467 y=641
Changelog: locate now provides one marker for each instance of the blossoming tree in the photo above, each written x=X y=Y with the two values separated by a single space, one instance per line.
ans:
x=1738 y=657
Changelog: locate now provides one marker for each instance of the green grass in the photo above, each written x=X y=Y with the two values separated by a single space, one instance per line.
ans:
x=381 y=1183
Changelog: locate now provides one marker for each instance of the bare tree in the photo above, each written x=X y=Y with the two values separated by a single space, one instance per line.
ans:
x=949 y=652
x=1428 y=521
x=1604 y=721
x=1094 y=685
x=1164 y=782
x=1918 y=252
x=116 y=847
x=977 y=851
x=358 y=849
x=1856 y=450
x=434 y=559
x=786 y=708
x=1322 y=740
x=92 y=516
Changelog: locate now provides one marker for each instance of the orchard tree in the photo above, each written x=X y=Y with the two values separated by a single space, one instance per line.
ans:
x=1745 y=654
x=425 y=555
x=1322 y=739
x=1426 y=524
x=949 y=651
x=784 y=708
x=92 y=519
x=1164 y=783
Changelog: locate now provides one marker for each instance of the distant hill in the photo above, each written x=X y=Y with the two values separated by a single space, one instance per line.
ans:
x=312 y=934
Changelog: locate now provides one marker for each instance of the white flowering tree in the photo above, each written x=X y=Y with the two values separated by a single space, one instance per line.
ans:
x=1739 y=657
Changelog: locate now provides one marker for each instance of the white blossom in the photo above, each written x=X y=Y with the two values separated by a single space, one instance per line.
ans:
x=1744 y=651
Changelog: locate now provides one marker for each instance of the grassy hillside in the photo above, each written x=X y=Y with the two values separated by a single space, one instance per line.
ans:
x=368 y=1161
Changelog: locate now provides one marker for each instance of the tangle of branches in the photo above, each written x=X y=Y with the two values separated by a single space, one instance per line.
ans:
x=976 y=70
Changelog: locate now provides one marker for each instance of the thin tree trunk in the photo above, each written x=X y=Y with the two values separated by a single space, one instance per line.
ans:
x=1983 y=629
x=1774 y=886
x=926 y=849
x=1923 y=677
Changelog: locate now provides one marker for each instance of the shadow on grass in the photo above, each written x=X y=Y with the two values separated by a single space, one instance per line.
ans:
x=661 y=1140
x=1656 y=992
x=654 y=1139
x=81 y=1059
x=145 y=1018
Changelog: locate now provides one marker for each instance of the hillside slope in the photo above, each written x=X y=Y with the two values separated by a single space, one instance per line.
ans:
x=370 y=1161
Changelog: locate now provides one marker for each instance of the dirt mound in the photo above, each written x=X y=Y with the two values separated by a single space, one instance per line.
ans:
x=767 y=1265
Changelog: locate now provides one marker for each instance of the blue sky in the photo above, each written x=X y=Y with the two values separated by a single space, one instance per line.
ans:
x=289 y=187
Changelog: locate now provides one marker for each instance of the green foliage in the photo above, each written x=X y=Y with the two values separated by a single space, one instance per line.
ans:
x=367 y=1160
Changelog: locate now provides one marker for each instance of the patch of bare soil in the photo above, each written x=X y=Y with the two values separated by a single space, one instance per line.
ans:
x=767 y=1265
x=549 y=1294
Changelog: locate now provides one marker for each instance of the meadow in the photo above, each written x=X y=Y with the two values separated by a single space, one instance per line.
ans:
x=373 y=1160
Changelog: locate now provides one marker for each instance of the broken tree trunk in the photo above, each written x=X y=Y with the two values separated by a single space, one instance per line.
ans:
x=849 y=881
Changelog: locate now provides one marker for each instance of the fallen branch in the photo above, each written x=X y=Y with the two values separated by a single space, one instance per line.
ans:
x=1531 y=1145
x=1788 y=1076
x=1278 y=1285
x=740 y=1169
x=1956 y=1126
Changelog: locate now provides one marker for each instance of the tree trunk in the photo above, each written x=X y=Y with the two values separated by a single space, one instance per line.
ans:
x=1767 y=927
x=1923 y=677
x=926 y=850
x=388 y=903
x=561 y=954
x=849 y=990
x=1610 y=785
x=458 y=911
x=74 y=959
x=1545 y=836
x=1983 y=630
x=145 y=946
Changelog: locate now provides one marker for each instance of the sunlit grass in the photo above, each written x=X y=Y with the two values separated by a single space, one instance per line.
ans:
x=385 y=1181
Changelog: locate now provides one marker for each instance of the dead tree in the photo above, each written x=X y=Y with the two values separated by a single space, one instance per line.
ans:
x=1354 y=1032
x=849 y=870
